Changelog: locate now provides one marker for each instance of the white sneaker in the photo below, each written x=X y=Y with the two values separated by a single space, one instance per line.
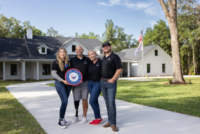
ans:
x=67 y=123
x=75 y=120
x=84 y=120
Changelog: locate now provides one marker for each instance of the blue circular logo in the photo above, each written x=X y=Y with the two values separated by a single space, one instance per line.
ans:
x=73 y=77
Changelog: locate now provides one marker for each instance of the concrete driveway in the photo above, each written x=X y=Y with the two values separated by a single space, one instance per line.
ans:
x=43 y=103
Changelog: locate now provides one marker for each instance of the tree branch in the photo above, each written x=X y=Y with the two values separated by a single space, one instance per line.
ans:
x=164 y=6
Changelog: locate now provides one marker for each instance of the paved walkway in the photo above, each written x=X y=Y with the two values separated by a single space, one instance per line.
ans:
x=151 y=78
x=43 y=103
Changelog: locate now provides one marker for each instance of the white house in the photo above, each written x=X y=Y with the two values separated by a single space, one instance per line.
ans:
x=31 y=57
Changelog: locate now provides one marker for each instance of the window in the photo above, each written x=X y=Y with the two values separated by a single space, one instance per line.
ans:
x=73 y=48
x=13 y=69
x=101 y=51
x=148 y=68
x=46 y=69
x=163 y=68
x=156 y=52
x=43 y=49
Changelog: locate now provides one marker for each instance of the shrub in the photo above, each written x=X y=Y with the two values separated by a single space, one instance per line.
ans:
x=190 y=82
x=170 y=81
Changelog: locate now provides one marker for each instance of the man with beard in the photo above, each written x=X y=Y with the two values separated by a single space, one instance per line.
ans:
x=80 y=91
x=111 y=69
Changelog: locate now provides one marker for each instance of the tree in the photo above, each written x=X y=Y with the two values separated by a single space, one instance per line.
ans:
x=52 y=32
x=117 y=37
x=159 y=35
x=91 y=35
x=170 y=10
x=189 y=27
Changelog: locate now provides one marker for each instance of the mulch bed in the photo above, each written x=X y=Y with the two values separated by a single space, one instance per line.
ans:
x=185 y=83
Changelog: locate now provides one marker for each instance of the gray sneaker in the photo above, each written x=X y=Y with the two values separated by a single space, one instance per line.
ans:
x=75 y=120
x=67 y=123
x=62 y=124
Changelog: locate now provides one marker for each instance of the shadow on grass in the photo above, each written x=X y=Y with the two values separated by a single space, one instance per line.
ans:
x=14 y=118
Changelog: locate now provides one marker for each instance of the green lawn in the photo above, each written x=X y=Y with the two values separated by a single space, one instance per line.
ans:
x=179 y=98
x=14 y=118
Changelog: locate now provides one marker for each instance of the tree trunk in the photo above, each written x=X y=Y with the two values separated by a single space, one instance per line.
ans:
x=177 y=70
x=171 y=16
x=194 y=59
x=189 y=63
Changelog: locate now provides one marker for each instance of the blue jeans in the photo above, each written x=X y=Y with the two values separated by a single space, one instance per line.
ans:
x=64 y=92
x=95 y=90
x=109 y=93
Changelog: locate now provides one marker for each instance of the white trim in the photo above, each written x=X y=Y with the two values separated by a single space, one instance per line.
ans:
x=4 y=70
x=23 y=71
x=128 y=69
x=154 y=53
x=42 y=46
x=37 y=71
x=72 y=41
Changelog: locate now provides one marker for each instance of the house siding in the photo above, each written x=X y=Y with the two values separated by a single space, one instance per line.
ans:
x=134 y=69
x=156 y=63
x=69 y=48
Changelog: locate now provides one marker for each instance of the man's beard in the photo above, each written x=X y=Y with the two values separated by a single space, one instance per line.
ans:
x=108 y=51
x=80 y=54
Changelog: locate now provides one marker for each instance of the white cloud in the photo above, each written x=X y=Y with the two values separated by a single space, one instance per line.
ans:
x=111 y=3
x=135 y=6
x=148 y=8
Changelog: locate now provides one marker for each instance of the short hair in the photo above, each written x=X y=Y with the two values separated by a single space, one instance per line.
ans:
x=92 y=51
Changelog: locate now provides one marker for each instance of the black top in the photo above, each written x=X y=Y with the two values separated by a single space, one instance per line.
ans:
x=56 y=67
x=94 y=71
x=109 y=65
x=82 y=65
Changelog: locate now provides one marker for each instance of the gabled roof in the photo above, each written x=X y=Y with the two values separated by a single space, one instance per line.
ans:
x=130 y=53
x=12 y=48
x=89 y=44
x=43 y=45
x=20 y=48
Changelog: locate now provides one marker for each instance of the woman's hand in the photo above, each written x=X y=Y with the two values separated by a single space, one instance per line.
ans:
x=65 y=82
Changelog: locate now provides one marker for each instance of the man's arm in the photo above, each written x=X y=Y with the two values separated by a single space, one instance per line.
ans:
x=115 y=77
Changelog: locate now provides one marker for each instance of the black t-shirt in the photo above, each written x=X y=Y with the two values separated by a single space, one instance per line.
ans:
x=109 y=65
x=82 y=65
x=94 y=71
x=56 y=67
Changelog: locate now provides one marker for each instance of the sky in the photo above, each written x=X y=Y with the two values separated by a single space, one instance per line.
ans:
x=84 y=16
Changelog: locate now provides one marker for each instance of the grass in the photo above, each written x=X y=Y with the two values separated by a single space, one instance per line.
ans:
x=14 y=118
x=178 y=98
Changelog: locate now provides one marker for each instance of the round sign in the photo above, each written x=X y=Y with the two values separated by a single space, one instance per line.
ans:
x=73 y=77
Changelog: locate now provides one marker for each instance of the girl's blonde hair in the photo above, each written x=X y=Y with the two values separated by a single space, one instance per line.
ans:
x=92 y=51
x=60 y=62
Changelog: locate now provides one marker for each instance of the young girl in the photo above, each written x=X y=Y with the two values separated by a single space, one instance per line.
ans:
x=59 y=68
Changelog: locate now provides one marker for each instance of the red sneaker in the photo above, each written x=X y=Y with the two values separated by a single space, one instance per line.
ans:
x=98 y=121
x=92 y=122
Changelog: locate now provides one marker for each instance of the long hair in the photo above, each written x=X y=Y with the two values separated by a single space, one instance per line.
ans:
x=60 y=62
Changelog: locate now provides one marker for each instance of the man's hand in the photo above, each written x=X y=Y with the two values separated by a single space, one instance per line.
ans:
x=65 y=82
x=111 y=81
x=117 y=79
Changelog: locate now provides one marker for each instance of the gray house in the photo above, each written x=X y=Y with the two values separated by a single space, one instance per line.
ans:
x=31 y=57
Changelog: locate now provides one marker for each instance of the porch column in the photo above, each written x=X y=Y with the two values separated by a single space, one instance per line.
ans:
x=37 y=71
x=23 y=68
x=128 y=69
x=4 y=70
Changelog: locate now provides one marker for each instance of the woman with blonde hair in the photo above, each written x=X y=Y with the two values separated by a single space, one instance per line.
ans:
x=59 y=68
x=94 y=87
